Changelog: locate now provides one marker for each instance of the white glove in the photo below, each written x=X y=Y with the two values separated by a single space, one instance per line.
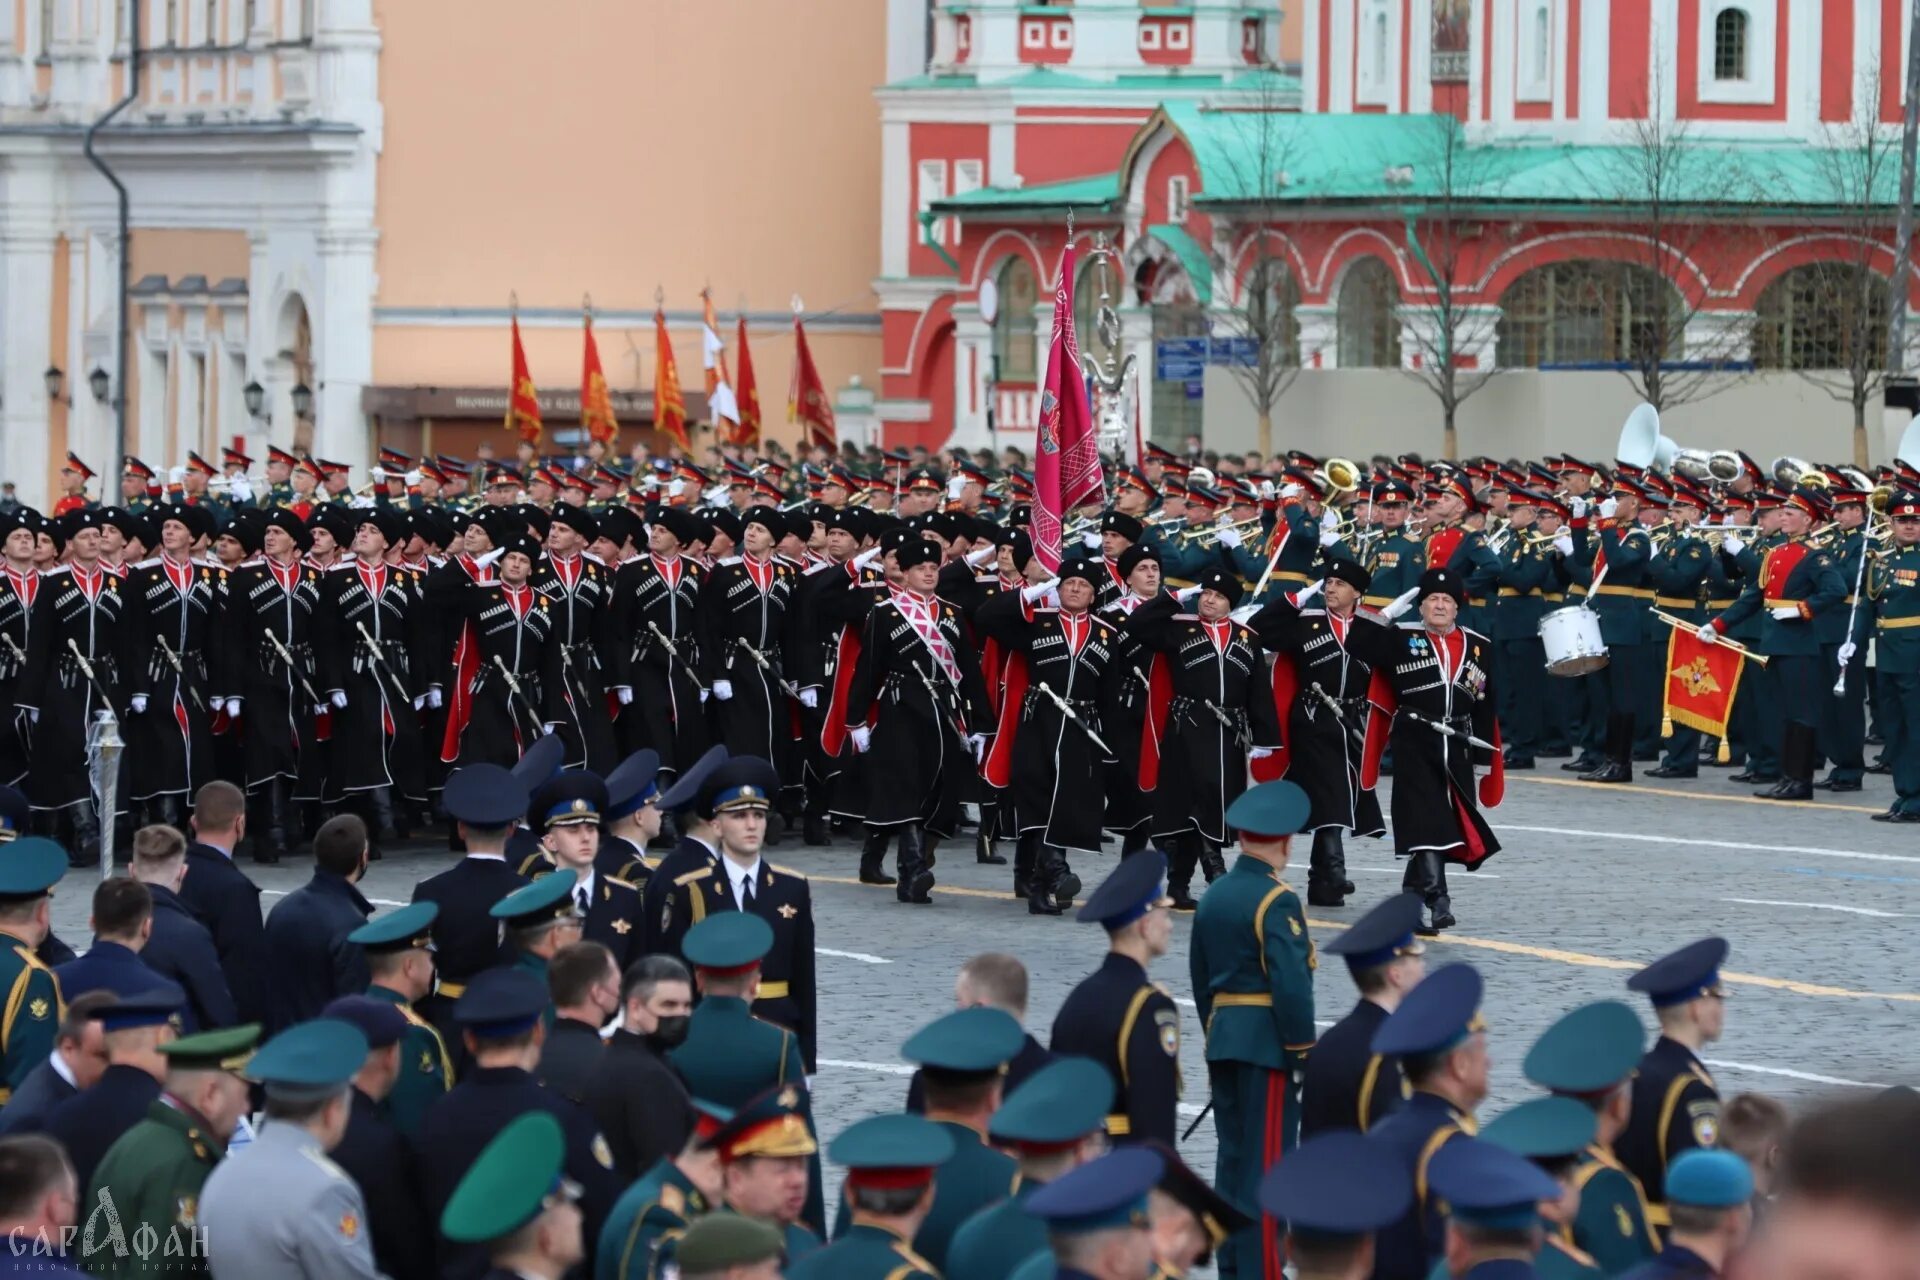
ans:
x=978 y=741
x=419 y=701
x=1228 y=537
x=363 y=503
x=624 y=693
x=1401 y=603
x=240 y=491
x=1706 y=633
x=233 y=706
x=139 y=703
x=1328 y=538
x=862 y=738
x=1267 y=492
x=412 y=478
x=723 y=689
x=1244 y=614
x=33 y=715
x=1578 y=506
x=1847 y=651
x=1091 y=541
x=1185 y=594
x=489 y=557
x=867 y=557
x=1039 y=590
x=1291 y=490
x=177 y=475
x=551 y=726
x=954 y=485
x=379 y=475
x=1563 y=542
x=1608 y=507
x=1785 y=613
x=984 y=554
x=704 y=693
x=338 y=697
x=320 y=710
x=810 y=698
x=1330 y=519
x=1733 y=544
x=1259 y=753
x=434 y=698
x=676 y=488
x=1309 y=591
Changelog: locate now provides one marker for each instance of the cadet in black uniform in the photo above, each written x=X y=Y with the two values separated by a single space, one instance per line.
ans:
x=1676 y=1105
x=484 y=801
x=372 y=1151
x=1116 y=1016
x=632 y=819
x=92 y=1120
x=697 y=845
x=568 y=810
x=1346 y=1085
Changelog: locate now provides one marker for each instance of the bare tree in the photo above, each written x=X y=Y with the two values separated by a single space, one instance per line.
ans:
x=1845 y=352
x=1255 y=292
x=1446 y=182
x=1665 y=182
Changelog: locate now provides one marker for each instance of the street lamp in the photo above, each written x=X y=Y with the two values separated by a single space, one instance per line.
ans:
x=56 y=380
x=100 y=382
x=256 y=398
x=302 y=400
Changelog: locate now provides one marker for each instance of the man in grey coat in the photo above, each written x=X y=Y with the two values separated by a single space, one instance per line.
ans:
x=280 y=1207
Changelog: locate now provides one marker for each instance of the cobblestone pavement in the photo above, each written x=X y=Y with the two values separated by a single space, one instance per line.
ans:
x=1819 y=903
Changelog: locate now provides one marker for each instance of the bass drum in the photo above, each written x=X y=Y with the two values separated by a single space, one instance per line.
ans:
x=1572 y=638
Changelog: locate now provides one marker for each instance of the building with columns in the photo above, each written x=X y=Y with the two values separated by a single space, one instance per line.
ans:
x=1538 y=189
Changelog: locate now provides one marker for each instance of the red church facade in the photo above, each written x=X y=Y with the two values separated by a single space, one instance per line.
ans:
x=1510 y=137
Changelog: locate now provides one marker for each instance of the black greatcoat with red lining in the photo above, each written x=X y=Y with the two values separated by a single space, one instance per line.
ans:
x=1325 y=730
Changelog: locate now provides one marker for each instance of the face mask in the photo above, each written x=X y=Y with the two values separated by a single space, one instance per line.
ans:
x=671 y=1032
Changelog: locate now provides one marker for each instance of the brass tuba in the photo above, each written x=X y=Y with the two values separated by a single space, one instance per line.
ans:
x=1342 y=475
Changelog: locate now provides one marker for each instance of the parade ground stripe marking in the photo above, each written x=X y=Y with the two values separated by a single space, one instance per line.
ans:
x=861 y=956
x=1580 y=958
x=1819 y=906
x=1739 y=845
x=1824 y=806
x=1812 y=1077
x=889 y=1069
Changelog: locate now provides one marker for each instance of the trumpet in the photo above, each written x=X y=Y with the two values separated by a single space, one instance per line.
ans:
x=1209 y=535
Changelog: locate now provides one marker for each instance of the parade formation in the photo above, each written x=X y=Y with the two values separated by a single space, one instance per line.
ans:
x=587 y=1045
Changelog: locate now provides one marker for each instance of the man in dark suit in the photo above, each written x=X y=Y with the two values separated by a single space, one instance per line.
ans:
x=179 y=948
x=222 y=897
x=585 y=987
x=637 y=1098
x=135 y=1027
x=122 y=919
x=79 y=1056
x=998 y=981
x=310 y=961
x=373 y=1154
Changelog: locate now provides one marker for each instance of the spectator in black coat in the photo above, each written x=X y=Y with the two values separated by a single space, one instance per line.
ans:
x=223 y=899
x=998 y=981
x=373 y=1153
x=636 y=1097
x=309 y=960
x=179 y=948
x=79 y=1056
x=122 y=920
x=585 y=984
x=94 y=1119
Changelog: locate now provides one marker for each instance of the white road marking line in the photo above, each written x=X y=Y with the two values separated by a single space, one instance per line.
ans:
x=378 y=902
x=1740 y=845
x=861 y=956
x=1810 y=1076
x=1820 y=906
x=884 y=1068
x=1401 y=871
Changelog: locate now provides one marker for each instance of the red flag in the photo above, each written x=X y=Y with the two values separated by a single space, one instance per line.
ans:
x=1067 y=461
x=1701 y=680
x=669 y=407
x=596 y=406
x=747 y=397
x=807 y=401
x=523 y=402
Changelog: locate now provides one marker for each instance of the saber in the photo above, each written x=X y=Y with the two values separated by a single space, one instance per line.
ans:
x=1853 y=614
x=938 y=693
x=1226 y=722
x=180 y=672
x=1066 y=709
x=20 y=655
x=513 y=685
x=1444 y=729
x=287 y=657
x=674 y=650
x=760 y=660
x=86 y=669
x=380 y=661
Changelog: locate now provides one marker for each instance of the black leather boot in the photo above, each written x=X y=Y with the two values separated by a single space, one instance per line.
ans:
x=872 y=854
x=813 y=831
x=1619 y=763
x=1796 y=764
x=983 y=851
x=1066 y=885
x=1327 y=870
x=1048 y=863
x=1134 y=841
x=1182 y=858
x=1213 y=863
x=272 y=846
x=1423 y=877
x=1026 y=861
x=84 y=849
x=380 y=808
x=916 y=880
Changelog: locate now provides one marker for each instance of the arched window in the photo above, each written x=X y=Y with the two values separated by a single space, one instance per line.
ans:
x=1015 y=331
x=1730 y=44
x=1369 y=327
x=1542 y=42
x=1820 y=316
x=1587 y=313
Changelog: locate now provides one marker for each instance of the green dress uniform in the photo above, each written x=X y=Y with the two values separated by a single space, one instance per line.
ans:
x=1396 y=562
x=655 y=1210
x=1621 y=696
x=1526 y=588
x=902 y=1151
x=1754 y=743
x=865 y=1252
x=1252 y=966
x=34 y=1011
x=993 y=1243
x=1683 y=570
x=154 y=1175
x=1612 y=1227
x=1843 y=714
x=1895 y=587
x=426 y=1069
x=1557 y=1260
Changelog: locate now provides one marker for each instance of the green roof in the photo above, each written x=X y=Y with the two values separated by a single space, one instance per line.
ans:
x=1097 y=192
x=1193 y=258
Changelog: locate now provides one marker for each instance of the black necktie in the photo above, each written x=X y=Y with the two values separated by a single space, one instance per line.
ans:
x=746 y=893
